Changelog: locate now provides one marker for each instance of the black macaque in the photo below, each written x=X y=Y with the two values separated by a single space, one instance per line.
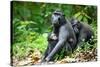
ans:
x=82 y=30
x=52 y=41
x=66 y=38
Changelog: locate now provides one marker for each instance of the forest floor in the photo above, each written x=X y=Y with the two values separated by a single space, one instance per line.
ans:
x=78 y=56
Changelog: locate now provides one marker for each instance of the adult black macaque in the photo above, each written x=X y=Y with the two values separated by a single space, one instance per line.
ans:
x=62 y=28
x=82 y=30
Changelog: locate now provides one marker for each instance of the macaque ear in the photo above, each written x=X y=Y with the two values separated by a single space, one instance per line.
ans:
x=78 y=24
x=78 y=21
x=63 y=15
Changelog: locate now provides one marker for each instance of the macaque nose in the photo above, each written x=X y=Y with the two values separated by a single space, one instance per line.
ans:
x=59 y=19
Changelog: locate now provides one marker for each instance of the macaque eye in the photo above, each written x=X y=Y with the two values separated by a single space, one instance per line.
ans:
x=74 y=24
x=56 y=14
